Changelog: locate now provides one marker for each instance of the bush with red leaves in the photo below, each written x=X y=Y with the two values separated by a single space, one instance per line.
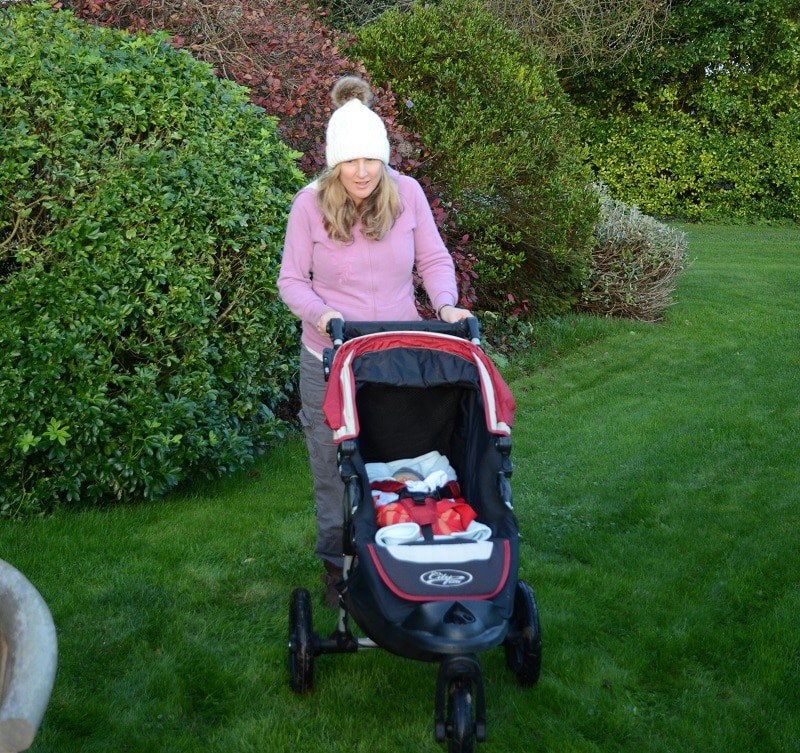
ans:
x=289 y=59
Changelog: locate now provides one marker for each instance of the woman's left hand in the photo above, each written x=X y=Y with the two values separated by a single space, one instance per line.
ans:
x=451 y=314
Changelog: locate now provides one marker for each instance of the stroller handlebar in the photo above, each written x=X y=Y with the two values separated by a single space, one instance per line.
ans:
x=335 y=329
x=340 y=331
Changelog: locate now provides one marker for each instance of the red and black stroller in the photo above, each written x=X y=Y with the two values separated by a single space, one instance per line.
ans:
x=431 y=558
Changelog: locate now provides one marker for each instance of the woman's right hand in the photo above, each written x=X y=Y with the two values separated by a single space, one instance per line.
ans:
x=322 y=322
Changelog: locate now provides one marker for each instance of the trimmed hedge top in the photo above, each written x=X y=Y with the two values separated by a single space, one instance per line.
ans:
x=142 y=212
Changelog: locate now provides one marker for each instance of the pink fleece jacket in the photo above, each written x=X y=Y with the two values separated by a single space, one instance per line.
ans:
x=365 y=280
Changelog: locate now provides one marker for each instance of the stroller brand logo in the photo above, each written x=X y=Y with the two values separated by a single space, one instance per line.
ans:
x=446 y=578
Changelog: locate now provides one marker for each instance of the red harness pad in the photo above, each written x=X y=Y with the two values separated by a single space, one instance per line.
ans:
x=444 y=571
x=446 y=513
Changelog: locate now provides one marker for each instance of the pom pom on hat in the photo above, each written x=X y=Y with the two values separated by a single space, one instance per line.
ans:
x=354 y=130
x=351 y=87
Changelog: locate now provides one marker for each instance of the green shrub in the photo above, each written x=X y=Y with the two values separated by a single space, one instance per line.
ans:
x=705 y=126
x=503 y=139
x=142 y=209
x=635 y=263
x=674 y=164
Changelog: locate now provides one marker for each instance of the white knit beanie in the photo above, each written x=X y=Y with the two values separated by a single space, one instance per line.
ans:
x=354 y=130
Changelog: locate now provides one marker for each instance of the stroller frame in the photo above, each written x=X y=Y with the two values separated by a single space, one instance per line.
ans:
x=439 y=630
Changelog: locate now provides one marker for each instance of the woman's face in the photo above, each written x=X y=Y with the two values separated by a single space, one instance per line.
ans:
x=360 y=177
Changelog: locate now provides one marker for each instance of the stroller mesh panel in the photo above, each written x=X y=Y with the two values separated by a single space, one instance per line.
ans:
x=401 y=422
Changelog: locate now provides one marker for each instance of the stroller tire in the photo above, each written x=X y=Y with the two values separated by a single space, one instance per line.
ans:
x=460 y=727
x=523 y=645
x=301 y=642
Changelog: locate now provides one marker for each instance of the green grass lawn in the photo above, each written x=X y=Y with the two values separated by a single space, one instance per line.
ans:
x=657 y=482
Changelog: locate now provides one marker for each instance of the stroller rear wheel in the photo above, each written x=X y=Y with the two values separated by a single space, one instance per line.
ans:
x=523 y=644
x=301 y=642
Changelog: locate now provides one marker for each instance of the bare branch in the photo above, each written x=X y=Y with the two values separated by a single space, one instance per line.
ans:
x=582 y=35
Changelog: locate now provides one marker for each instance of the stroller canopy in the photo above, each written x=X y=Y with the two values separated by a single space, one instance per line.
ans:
x=413 y=358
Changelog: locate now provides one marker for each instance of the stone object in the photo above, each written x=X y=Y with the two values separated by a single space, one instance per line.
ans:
x=28 y=658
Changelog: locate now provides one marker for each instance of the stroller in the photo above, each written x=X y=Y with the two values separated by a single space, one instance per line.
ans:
x=424 y=588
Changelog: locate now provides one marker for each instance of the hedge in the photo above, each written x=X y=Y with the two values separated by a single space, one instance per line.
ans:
x=707 y=125
x=142 y=211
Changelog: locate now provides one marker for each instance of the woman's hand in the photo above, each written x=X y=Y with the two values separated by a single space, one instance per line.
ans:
x=322 y=322
x=450 y=314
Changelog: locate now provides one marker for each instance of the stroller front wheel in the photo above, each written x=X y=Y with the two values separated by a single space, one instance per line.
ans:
x=460 y=727
x=301 y=642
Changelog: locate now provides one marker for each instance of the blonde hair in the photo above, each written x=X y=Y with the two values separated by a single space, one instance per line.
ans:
x=377 y=212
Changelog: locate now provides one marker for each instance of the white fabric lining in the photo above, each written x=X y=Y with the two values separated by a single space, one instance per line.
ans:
x=442 y=554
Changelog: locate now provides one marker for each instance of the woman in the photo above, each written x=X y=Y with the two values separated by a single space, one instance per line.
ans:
x=353 y=238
